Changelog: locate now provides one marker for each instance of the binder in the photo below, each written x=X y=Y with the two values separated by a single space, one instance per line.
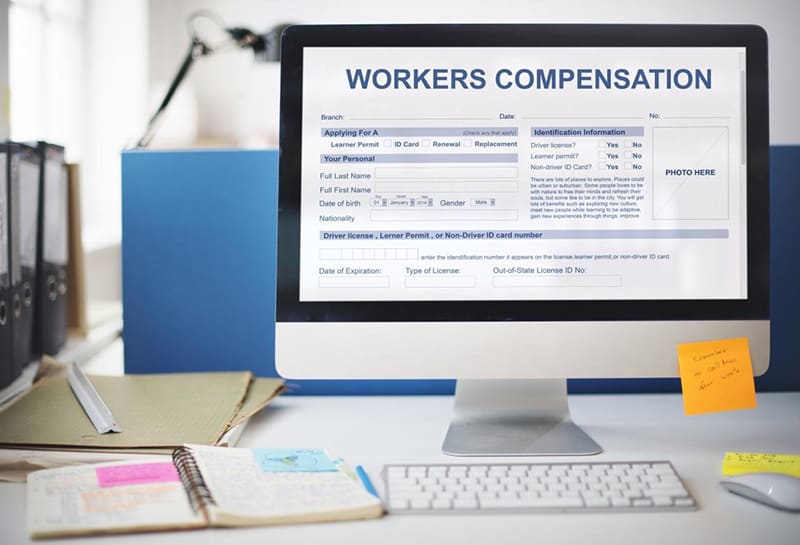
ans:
x=6 y=375
x=24 y=213
x=52 y=254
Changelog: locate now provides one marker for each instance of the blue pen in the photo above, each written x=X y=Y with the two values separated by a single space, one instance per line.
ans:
x=365 y=481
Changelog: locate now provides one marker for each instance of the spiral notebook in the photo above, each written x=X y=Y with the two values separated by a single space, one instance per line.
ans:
x=200 y=486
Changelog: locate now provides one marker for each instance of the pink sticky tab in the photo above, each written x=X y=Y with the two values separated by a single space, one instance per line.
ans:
x=126 y=475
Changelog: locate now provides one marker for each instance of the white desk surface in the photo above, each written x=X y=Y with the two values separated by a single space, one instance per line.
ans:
x=375 y=430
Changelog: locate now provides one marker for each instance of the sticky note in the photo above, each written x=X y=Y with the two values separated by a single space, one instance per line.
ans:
x=130 y=474
x=716 y=376
x=293 y=460
x=736 y=463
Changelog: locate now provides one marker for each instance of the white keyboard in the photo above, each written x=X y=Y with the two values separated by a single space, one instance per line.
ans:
x=526 y=488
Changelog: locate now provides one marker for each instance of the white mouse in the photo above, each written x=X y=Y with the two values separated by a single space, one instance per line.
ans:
x=773 y=489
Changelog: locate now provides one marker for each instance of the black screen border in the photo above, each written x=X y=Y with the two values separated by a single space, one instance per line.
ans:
x=753 y=38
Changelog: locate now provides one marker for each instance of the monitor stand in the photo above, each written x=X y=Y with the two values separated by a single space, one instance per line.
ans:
x=514 y=418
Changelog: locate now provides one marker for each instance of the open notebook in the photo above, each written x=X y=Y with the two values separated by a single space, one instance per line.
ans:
x=200 y=486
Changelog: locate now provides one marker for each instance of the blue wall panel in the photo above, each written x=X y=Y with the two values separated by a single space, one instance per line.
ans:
x=198 y=272
x=198 y=260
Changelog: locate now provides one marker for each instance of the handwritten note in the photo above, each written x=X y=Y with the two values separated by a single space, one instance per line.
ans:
x=716 y=376
x=736 y=463
x=129 y=474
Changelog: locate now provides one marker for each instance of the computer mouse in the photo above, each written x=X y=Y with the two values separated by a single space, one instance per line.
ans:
x=773 y=489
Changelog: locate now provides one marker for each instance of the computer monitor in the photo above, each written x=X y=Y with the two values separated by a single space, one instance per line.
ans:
x=512 y=205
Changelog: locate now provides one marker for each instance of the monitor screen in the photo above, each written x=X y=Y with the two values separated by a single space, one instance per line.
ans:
x=534 y=171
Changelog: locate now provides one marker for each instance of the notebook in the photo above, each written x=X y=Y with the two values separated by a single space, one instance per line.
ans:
x=200 y=486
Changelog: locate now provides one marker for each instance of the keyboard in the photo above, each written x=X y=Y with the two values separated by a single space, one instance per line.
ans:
x=528 y=488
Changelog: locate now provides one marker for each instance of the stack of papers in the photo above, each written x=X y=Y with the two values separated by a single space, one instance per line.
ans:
x=157 y=414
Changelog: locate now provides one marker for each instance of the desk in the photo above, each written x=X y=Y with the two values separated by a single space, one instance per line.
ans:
x=377 y=430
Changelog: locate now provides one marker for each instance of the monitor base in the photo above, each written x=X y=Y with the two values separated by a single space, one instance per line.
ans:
x=514 y=418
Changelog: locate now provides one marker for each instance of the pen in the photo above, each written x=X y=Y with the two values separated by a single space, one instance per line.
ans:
x=365 y=481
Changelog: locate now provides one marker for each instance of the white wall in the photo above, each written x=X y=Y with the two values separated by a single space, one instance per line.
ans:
x=116 y=93
x=236 y=97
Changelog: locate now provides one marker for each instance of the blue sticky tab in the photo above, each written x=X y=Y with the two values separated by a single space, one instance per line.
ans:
x=293 y=460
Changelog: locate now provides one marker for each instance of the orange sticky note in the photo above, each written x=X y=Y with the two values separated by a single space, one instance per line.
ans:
x=716 y=376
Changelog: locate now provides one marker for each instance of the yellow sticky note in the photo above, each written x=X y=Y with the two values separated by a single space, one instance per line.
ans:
x=716 y=376
x=736 y=463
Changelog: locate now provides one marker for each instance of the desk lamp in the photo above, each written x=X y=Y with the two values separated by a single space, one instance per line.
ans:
x=265 y=46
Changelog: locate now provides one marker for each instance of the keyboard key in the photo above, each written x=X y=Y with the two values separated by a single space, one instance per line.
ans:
x=556 y=502
x=596 y=502
x=451 y=482
x=662 y=501
x=499 y=503
x=674 y=492
x=667 y=485
x=465 y=503
x=420 y=503
x=408 y=488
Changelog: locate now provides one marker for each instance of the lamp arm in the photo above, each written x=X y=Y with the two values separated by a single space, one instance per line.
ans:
x=196 y=49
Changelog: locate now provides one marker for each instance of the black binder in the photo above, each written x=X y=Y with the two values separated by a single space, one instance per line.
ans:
x=24 y=193
x=50 y=325
x=6 y=368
